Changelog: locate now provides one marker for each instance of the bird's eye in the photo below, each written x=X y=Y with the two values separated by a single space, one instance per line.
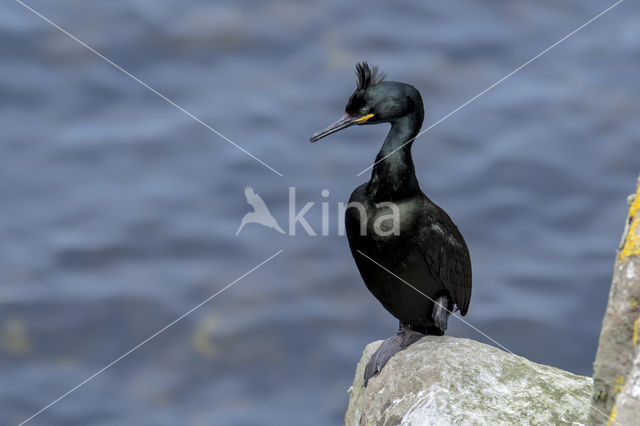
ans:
x=363 y=111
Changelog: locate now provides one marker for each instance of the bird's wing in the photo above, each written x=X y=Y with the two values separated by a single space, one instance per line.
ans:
x=254 y=199
x=447 y=255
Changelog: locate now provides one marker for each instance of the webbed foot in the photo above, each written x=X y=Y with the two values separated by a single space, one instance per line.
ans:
x=388 y=348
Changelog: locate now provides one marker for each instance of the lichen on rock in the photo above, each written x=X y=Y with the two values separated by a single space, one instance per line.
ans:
x=616 y=370
x=442 y=380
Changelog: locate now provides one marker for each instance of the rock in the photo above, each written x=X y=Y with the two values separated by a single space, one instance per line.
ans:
x=442 y=380
x=616 y=371
x=627 y=404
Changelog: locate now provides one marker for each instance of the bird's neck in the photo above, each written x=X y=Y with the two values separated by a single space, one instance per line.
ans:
x=394 y=176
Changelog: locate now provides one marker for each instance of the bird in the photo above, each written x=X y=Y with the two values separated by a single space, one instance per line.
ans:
x=421 y=273
x=260 y=213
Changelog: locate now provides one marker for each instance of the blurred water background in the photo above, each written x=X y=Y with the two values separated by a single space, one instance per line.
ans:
x=118 y=211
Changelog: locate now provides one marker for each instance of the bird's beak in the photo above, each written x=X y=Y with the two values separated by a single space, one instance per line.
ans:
x=344 y=122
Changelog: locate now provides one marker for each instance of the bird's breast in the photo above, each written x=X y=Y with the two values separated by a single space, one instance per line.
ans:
x=382 y=222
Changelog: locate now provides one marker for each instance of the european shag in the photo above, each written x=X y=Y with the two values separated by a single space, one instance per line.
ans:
x=420 y=270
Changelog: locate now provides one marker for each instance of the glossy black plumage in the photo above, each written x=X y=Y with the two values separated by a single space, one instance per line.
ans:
x=428 y=253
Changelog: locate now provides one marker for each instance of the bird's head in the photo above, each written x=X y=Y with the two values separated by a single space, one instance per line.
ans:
x=376 y=101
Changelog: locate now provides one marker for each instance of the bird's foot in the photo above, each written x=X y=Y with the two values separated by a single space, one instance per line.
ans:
x=441 y=312
x=387 y=349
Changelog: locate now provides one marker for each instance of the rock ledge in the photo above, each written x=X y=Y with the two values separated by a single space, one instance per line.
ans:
x=447 y=380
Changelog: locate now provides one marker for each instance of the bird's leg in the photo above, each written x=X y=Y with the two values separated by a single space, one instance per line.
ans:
x=441 y=312
x=403 y=338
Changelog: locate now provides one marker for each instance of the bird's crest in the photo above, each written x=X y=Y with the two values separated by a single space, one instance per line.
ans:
x=368 y=77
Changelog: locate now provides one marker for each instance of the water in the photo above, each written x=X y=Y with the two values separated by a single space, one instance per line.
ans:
x=119 y=211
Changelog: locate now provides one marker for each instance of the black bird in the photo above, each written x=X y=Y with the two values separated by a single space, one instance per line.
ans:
x=410 y=254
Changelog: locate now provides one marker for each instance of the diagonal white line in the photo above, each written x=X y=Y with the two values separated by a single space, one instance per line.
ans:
x=145 y=341
x=473 y=327
x=128 y=74
x=497 y=83
x=450 y=312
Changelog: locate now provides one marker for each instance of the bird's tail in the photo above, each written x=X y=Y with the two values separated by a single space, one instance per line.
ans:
x=277 y=227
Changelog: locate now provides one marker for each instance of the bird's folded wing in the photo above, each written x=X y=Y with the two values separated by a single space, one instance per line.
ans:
x=447 y=255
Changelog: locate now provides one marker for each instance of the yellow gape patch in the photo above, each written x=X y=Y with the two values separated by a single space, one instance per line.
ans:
x=364 y=118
